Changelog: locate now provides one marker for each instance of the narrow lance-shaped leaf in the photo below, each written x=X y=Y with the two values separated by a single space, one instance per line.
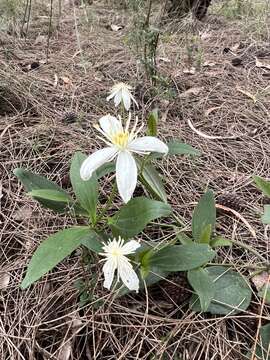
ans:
x=204 y=215
x=152 y=180
x=132 y=218
x=33 y=181
x=263 y=185
x=105 y=169
x=181 y=257
x=266 y=215
x=179 y=148
x=85 y=191
x=53 y=195
x=93 y=241
x=203 y=285
x=53 y=250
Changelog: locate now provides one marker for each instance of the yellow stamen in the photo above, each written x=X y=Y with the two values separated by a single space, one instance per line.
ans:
x=121 y=139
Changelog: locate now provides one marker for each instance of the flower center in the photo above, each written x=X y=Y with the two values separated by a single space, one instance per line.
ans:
x=121 y=139
x=116 y=252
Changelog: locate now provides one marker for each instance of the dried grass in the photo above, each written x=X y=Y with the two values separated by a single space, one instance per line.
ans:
x=44 y=322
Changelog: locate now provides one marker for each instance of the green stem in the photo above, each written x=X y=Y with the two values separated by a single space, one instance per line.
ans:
x=108 y=204
x=123 y=113
x=144 y=162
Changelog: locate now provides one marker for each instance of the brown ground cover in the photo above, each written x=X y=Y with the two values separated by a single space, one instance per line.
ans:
x=217 y=99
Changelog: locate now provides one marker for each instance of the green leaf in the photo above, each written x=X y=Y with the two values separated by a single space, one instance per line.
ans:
x=206 y=235
x=262 y=184
x=53 y=195
x=231 y=292
x=53 y=250
x=266 y=216
x=152 y=121
x=220 y=241
x=85 y=191
x=105 y=169
x=264 y=293
x=153 y=277
x=204 y=215
x=152 y=180
x=33 y=181
x=183 y=238
x=203 y=285
x=263 y=348
x=179 y=148
x=181 y=257
x=132 y=218
x=93 y=242
x=146 y=275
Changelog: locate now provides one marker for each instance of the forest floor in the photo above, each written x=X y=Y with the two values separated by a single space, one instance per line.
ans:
x=216 y=98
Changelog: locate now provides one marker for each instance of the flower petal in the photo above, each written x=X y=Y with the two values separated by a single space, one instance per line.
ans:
x=127 y=274
x=95 y=160
x=130 y=247
x=110 y=125
x=134 y=100
x=126 y=175
x=112 y=95
x=126 y=99
x=109 y=269
x=148 y=144
x=117 y=98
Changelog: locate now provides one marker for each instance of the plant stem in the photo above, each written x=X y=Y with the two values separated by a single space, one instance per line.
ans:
x=147 y=20
x=123 y=113
x=144 y=162
x=108 y=204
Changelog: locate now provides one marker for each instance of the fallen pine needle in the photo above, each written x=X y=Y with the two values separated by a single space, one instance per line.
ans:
x=239 y=216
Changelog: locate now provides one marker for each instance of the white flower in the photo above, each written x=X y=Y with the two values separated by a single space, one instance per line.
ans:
x=121 y=94
x=115 y=253
x=121 y=144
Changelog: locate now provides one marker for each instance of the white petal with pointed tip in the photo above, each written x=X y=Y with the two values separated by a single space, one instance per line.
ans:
x=109 y=269
x=117 y=98
x=126 y=99
x=110 y=125
x=130 y=247
x=126 y=175
x=95 y=160
x=112 y=95
x=148 y=144
x=128 y=275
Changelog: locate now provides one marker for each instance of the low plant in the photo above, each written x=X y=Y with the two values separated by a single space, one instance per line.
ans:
x=113 y=235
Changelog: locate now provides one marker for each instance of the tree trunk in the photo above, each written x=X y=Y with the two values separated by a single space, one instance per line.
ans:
x=181 y=7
